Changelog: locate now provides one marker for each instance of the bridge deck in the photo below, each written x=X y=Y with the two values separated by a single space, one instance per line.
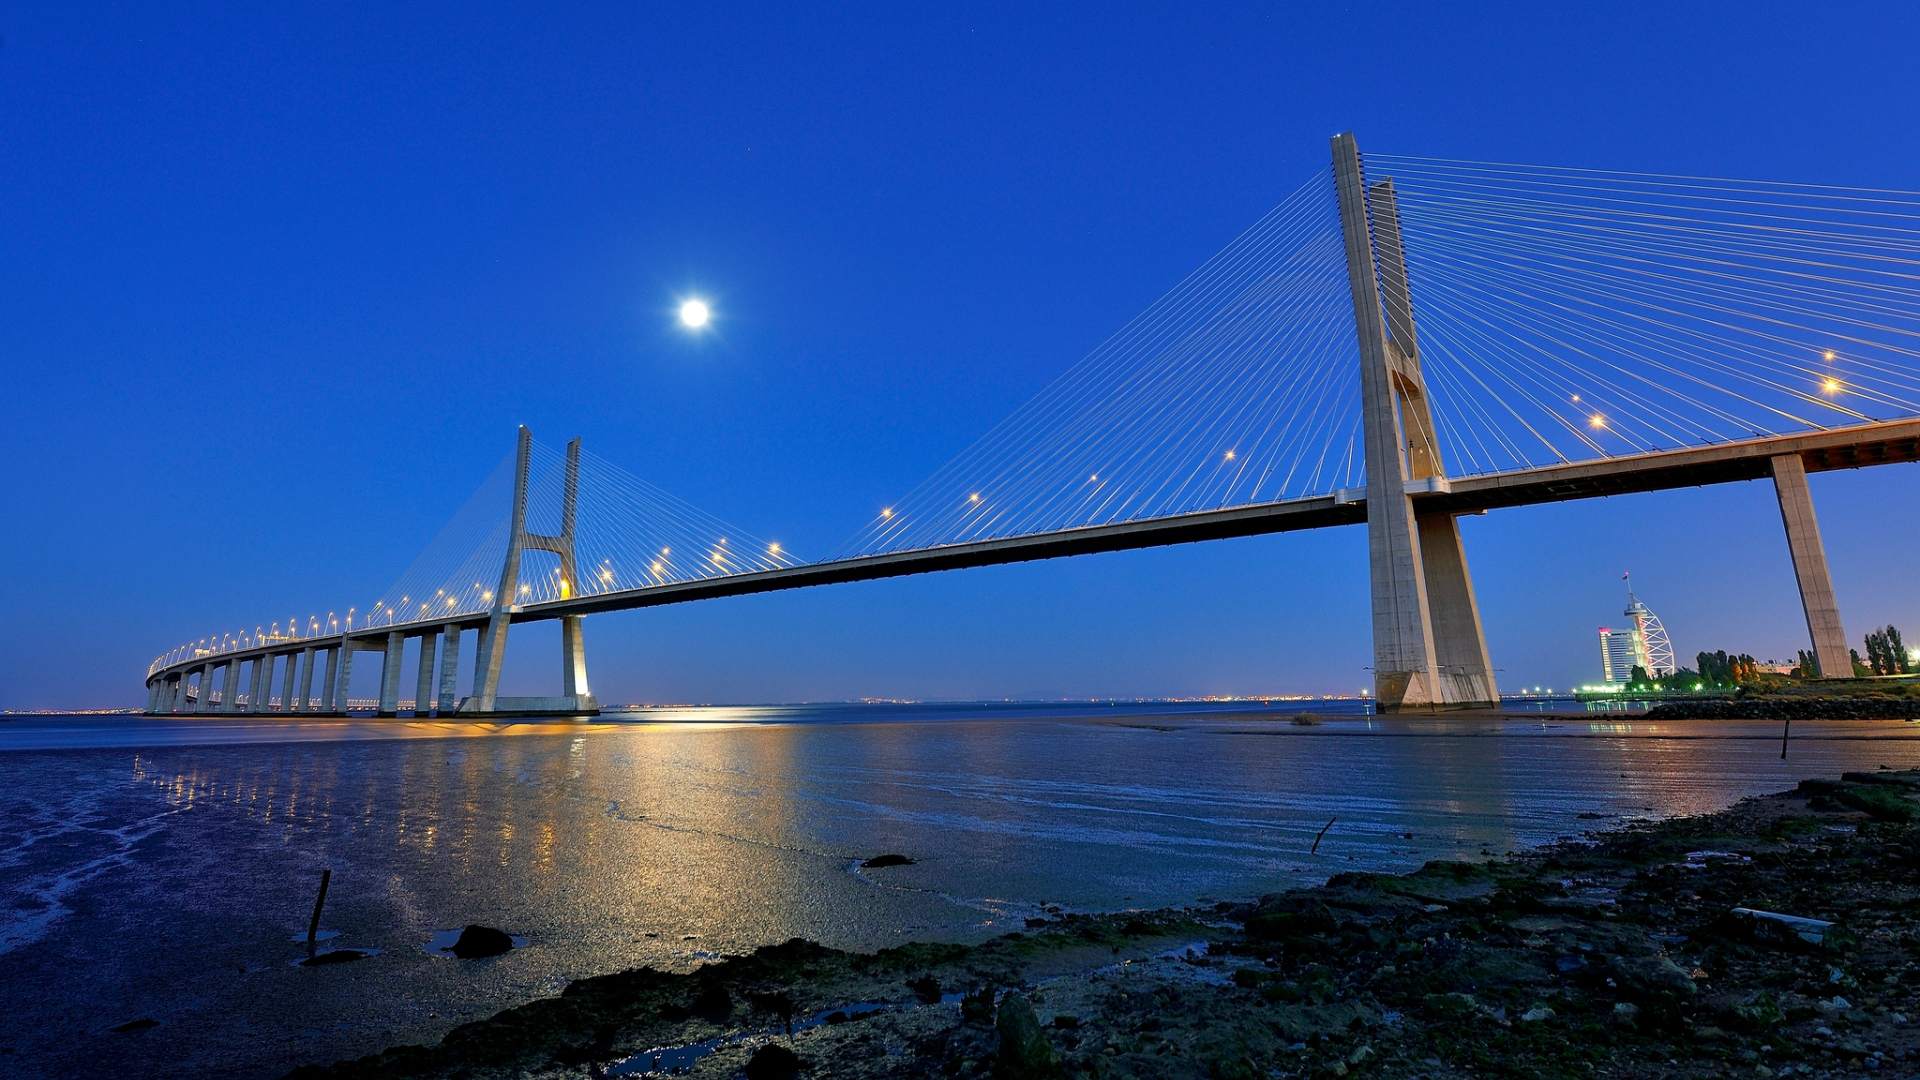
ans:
x=1843 y=448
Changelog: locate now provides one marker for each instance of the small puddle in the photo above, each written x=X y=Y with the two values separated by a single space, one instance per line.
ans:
x=327 y=957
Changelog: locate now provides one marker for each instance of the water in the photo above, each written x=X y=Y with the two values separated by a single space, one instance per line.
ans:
x=164 y=868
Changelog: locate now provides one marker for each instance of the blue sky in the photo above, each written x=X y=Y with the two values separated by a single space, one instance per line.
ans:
x=277 y=284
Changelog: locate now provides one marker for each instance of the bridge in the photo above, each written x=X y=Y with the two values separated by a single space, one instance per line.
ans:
x=1582 y=334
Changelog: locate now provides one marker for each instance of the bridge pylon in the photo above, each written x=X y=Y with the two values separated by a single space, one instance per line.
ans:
x=1429 y=652
x=576 y=699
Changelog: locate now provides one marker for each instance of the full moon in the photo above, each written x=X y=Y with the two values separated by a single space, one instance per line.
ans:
x=694 y=314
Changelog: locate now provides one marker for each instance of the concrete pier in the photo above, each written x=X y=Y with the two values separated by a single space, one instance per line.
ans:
x=258 y=685
x=450 y=669
x=390 y=673
x=423 y=685
x=305 y=699
x=1810 y=567
x=338 y=703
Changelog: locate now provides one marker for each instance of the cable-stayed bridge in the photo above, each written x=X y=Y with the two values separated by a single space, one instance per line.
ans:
x=1397 y=343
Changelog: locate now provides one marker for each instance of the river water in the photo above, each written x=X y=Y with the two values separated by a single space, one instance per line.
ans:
x=163 y=869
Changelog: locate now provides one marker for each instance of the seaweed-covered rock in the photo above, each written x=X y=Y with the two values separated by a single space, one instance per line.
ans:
x=1025 y=1053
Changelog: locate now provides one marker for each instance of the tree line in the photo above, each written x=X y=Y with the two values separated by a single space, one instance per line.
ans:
x=1719 y=670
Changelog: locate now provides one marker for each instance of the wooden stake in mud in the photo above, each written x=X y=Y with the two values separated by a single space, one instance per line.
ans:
x=1783 y=737
x=313 y=927
x=1315 y=850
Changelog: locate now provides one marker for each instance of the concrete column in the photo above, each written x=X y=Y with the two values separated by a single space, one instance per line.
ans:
x=423 y=684
x=286 y=683
x=573 y=658
x=493 y=640
x=332 y=675
x=450 y=669
x=261 y=683
x=390 y=672
x=305 y=700
x=230 y=687
x=1810 y=566
x=1460 y=646
x=177 y=694
x=345 y=683
x=205 y=703
x=153 y=698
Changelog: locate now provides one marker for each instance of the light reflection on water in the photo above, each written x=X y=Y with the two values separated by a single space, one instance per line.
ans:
x=158 y=868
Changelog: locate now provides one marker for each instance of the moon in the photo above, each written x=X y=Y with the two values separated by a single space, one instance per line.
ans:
x=694 y=314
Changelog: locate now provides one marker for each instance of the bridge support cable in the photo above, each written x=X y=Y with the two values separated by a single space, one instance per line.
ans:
x=1236 y=388
x=1429 y=650
x=1596 y=314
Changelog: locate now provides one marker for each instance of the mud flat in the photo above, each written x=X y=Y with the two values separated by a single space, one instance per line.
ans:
x=1776 y=938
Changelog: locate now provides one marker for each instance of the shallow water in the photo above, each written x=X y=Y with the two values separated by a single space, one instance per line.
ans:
x=163 y=869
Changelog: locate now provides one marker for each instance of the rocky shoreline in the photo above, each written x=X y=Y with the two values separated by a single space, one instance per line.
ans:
x=1777 y=938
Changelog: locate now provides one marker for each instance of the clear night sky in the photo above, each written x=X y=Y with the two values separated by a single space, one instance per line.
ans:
x=276 y=286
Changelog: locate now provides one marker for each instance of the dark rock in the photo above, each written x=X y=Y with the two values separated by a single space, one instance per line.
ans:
x=141 y=1024
x=1758 y=1014
x=779 y=1004
x=1025 y=1053
x=977 y=1007
x=1449 y=1006
x=1640 y=977
x=479 y=941
x=879 y=861
x=1066 y=1022
x=773 y=1062
x=713 y=1003
x=926 y=990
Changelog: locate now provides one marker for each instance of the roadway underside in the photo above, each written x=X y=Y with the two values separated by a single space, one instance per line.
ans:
x=1892 y=442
